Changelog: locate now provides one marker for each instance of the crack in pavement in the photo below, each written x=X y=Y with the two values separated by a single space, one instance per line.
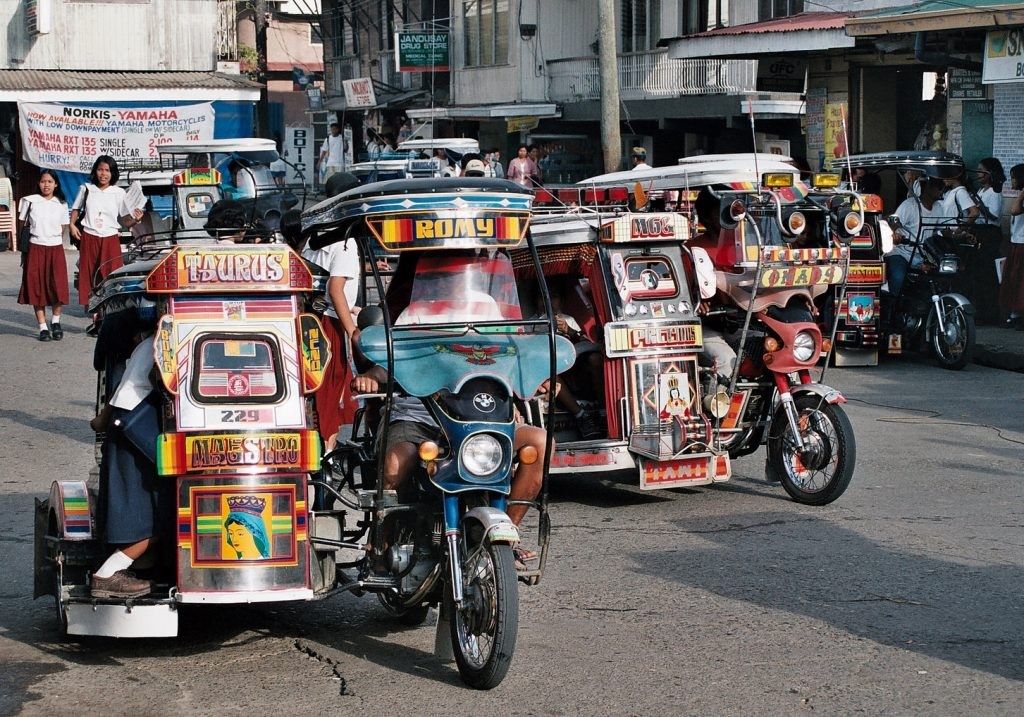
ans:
x=732 y=528
x=310 y=651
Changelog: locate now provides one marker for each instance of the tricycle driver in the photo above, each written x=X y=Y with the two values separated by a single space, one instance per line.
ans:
x=411 y=423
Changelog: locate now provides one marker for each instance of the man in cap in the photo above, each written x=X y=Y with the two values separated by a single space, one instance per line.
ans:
x=475 y=168
x=639 y=155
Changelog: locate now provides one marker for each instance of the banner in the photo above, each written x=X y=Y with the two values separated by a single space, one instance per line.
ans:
x=421 y=51
x=835 y=130
x=69 y=137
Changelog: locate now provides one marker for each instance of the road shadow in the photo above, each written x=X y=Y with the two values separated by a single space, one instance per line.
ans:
x=57 y=425
x=600 y=491
x=964 y=614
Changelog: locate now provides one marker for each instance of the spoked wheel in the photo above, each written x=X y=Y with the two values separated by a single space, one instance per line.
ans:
x=954 y=344
x=411 y=616
x=819 y=473
x=483 y=628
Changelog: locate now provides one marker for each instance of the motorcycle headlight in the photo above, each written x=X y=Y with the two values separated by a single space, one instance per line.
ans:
x=803 y=346
x=481 y=454
x=949 y=265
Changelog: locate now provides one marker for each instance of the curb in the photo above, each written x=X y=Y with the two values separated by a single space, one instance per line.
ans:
x=998 y=357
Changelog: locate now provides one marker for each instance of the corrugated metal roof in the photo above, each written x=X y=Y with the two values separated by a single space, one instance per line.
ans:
x=928 y=6
x=793 y=23
x=938 y=15
x=75 y=80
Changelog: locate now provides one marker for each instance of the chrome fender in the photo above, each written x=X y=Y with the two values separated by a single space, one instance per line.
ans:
x=829 y=394
x=497 y=526
x=961 y=300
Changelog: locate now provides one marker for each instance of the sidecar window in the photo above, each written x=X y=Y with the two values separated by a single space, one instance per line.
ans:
x=462 y=287
x=236 y=369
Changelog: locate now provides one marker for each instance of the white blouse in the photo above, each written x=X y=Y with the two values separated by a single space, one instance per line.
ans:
x=102 y=209
x=46 y=219
x=993 y=201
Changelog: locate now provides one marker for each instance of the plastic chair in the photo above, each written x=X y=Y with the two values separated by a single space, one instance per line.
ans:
x=9 y=227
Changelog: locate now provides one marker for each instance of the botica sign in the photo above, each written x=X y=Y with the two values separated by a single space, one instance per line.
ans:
x=1004 y=56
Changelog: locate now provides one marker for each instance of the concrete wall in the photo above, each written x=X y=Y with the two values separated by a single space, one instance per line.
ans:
x=1008 y=124
x=127 y=36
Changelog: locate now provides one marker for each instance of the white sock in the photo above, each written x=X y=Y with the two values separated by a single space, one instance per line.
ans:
x=55 y=320
x=43 y=327
x=116 y=562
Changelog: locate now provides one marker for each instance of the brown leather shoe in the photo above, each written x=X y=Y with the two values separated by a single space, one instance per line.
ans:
x=120 y=585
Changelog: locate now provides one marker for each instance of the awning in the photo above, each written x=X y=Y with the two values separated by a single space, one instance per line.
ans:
x=938 y=15
x=487 y=112
x=804 y=32
x=73 y=85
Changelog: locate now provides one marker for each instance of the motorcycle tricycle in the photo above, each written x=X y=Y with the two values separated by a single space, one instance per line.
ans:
x=257 y=516
x=636 y=279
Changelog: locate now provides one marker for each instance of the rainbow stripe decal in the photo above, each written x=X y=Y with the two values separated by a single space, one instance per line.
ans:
x=72 y=499
x=433 y=231
x=255 y=452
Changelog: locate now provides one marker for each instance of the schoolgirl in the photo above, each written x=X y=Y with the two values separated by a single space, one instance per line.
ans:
x=101 y=205
x=1011 y=291
x=44 y=281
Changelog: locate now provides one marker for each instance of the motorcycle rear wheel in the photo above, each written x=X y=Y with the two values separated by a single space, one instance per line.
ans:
x=953 y=347
x=483 y=629
x=822 y=472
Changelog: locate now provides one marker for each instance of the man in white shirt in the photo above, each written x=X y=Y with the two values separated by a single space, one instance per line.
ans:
x=332 y=153
x=639 y=155
x=917 y=218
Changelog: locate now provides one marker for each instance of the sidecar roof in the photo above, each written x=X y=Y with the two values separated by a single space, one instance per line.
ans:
x=943 y=165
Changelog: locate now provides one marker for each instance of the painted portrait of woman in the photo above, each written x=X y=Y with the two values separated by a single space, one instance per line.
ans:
x=244 y=529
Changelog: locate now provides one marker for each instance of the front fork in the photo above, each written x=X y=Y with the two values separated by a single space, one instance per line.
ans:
x=937 y=302
x=451 y=534
x=789 y=406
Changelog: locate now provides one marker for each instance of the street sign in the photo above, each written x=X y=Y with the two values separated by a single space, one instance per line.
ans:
x=422 y=51
x=315 y=97
x=359 y=92
x=965 y=85
x=1004 y=56
x=300 y=150
x=521 y=124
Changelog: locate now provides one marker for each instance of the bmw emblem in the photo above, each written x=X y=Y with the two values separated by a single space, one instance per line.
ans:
x=484 y=402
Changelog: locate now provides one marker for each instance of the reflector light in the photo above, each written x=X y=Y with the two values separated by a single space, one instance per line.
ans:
x=299 y=276
x=796 y=223
x=618 y=194
x=777 y=180
x=592 y=196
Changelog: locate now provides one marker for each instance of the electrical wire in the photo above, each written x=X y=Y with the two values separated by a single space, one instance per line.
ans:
x=926 y=420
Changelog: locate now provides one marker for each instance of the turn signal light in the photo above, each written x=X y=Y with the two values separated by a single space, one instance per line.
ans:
x=771 y=344
x=528 y=455
x=826 y=346
x=429 y=451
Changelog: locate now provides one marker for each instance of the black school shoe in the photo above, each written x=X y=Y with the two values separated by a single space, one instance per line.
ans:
x=44 y=335
x=93 y=329
x=57 y=332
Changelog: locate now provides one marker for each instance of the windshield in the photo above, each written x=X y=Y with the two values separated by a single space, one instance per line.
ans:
x=462 y=287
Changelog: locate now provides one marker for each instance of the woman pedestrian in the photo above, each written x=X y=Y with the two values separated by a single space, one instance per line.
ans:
x=45 y=278
x=100 y=204
x=522 y=170
x=1011 y=291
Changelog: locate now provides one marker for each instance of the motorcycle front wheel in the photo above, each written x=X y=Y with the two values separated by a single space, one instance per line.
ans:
x=483 y=628
x=821 y=472
x=953 y=346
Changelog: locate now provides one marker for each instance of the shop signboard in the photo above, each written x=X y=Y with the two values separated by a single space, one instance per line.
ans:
x=965 y=85
x=300 y=151
x=359 y=93
x=422 y=51
x=781 y=74
x=1004 y=56
x=69 y=137
x=521 y=124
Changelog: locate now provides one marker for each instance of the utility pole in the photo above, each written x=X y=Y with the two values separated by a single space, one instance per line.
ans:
x=263 y=108
x=611 y=139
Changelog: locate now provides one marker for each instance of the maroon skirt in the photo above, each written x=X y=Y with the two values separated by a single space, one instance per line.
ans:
x=97 y=256
x=44 y=281
x=1011 y=290
x=334 y=404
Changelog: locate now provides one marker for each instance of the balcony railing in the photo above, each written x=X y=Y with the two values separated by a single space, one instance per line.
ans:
x=646 y=75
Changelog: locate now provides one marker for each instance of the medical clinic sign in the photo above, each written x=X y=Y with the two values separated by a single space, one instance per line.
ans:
x=70 y=137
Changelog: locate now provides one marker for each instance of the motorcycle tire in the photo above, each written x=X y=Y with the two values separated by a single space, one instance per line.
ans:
x=938 y=341
x=490 y=607
x=830 y=436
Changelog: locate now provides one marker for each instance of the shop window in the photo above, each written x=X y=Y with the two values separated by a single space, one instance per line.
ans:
x=640 y=25
x=315 y=36
x=771 y=9
x=702 y=15
x=341 y=31
x=485 y=32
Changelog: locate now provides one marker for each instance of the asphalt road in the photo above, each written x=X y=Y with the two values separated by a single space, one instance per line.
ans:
x=905 y=596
